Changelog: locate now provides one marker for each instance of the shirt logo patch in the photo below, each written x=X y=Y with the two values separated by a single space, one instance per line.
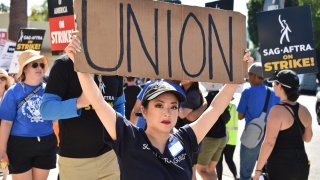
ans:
x=31 y=109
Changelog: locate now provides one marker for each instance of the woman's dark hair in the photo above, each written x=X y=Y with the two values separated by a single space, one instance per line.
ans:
x=292 y=93
x=145 y=104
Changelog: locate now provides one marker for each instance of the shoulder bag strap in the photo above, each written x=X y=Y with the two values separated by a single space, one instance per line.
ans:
x=267 y=100
x=29 y=96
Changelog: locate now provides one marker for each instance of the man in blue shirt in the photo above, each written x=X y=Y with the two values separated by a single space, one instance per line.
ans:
x=251 y=106
x=82 y=135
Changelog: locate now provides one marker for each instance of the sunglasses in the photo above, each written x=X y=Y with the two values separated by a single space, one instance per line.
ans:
x=277 y=83
x=3 y=78
x=35 y=65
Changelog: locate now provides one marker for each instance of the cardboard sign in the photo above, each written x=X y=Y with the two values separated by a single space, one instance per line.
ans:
x=29 y=38
x=289 y=43
x=160 y=40
x=61 y=29
x=7 y=54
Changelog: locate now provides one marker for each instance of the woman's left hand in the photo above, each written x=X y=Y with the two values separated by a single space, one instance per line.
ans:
x=73 y=47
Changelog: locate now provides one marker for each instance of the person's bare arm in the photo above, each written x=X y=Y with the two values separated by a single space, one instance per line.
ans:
x=5 y=129
x=135 y=109
x=195 y=114
x=240 y=116
x=217 y=106
x=105 y=112
x=273 y=128
x=306 y=119
x=211 y=115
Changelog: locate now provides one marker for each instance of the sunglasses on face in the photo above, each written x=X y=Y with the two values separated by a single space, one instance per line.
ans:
x=35 y=65
x=3 y=78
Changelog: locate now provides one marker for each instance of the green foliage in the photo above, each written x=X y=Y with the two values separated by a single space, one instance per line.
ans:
x=4 y=8
x=291 y=3
x=254 y=6
x=39 y=13
x=315 y=12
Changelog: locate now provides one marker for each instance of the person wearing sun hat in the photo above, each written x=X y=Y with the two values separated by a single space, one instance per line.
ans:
x=8 y=81
x=27 y=57
x=289 y=125
x=25 y=138
x=5 y=82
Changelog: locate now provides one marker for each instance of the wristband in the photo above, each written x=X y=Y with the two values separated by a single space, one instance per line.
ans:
x=258 y=170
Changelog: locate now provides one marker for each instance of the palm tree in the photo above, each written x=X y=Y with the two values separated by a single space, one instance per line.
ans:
x=18 y=18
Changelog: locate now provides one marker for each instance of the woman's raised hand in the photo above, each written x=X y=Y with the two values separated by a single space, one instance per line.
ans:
x=73 y=47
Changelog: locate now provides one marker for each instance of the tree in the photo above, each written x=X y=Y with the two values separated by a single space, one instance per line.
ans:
x=315 y=12
x=39 y=13
x=4 y=8
x=18 y=18
x=255 y=6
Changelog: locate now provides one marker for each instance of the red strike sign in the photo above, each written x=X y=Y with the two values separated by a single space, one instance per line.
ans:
x=61 y=31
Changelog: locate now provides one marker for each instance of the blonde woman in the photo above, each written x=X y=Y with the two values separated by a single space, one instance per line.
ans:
x=5 y=82
x=26 y=140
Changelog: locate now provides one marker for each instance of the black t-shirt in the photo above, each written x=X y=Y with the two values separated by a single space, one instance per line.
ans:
x=83 y=136
x=193 y=101
x=139 y=159
x=131 y=93
x=218 y=130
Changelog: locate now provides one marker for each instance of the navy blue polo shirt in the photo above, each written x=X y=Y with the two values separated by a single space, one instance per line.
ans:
x=139 y=159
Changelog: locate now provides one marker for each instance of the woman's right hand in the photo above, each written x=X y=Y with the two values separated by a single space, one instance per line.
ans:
x=4 y=160
x=73 y=47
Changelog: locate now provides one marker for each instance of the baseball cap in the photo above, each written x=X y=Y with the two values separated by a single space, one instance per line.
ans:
x=158 y=88
x=256 y=68
x=287 y=78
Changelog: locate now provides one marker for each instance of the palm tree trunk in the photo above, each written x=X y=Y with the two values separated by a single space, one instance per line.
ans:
x=18 y=18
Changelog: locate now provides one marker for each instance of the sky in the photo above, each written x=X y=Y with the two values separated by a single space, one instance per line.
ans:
x=31 y=3
x=239 y=5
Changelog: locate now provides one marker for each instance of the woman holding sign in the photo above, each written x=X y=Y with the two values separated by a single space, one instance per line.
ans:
x=156 y=151
x=289 y=125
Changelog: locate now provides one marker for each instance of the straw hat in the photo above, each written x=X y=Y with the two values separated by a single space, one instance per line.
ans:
x=29 y=56
x=10 y=80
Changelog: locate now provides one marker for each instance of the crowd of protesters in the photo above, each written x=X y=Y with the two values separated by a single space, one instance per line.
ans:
x=111 y=128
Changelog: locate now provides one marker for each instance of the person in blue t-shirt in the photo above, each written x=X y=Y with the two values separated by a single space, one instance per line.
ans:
x=157 y=151
x=26 y=140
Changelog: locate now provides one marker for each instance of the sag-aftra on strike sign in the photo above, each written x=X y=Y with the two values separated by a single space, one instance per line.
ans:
x=286 y=41
x=160 y=40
